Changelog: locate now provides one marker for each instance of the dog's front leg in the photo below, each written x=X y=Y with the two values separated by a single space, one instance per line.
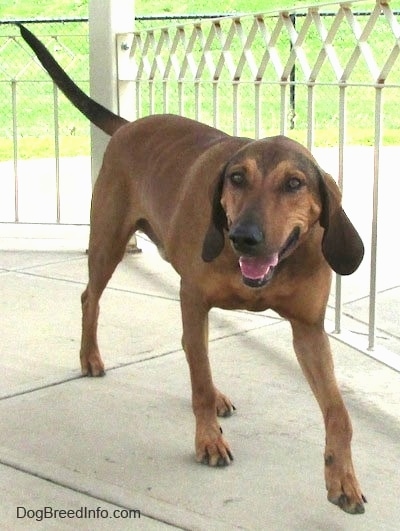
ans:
x=211 y=446
x=313 y=352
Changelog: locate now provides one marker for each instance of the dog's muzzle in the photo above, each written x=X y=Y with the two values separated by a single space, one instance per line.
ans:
x=257 y=267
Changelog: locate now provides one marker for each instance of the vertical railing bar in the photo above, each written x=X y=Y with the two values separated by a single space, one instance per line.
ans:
x=310 y=117
x=292 y=89
x=197 y=99
x=134 y=101
x=235 y=107
x=342 y=142
x=374 y=231
x=151 y=97
x=15 y=148
x=165 y=95
x=138 y=99
x=215 y=104
x=342 y=134
x=57 y=151
x=181 y=106
x=283 y=109
x=257 y=109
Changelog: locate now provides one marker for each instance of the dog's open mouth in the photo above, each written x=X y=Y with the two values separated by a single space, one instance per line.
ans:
x=257 y=271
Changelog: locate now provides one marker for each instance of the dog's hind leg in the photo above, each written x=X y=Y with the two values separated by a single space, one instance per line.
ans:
x=109 y=234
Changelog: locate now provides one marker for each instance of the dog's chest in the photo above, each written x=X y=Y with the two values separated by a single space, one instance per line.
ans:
x=232 y=294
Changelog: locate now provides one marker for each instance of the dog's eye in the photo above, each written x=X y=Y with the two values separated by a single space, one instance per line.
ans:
x=237 y=179
x=293 y=184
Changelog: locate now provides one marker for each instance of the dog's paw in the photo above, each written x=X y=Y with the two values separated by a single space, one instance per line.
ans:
x=225 y=408
x=212 y=449
x=92 y=366
x=95 y=372
x=347 y=504
x=343 y=488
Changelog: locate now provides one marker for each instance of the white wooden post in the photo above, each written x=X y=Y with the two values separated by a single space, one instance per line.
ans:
x=107 y=18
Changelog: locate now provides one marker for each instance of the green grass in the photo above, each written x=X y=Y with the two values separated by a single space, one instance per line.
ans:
x=34 y=92
x=43 y=147
x=79 y=8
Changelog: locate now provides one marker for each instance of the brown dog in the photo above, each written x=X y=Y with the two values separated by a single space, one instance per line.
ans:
x=246 y=224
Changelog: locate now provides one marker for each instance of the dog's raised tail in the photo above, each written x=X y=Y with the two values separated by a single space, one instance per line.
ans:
x=103 y=118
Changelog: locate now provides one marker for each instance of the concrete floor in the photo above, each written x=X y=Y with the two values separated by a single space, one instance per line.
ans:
x=126 y=441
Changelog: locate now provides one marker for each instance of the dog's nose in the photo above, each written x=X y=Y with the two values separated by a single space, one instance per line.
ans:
x=246 y=237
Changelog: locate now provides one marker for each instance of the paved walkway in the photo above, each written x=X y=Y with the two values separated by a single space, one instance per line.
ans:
x=126 y=441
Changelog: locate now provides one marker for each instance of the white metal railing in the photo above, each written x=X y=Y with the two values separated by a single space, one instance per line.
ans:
x=327 y=75
x=178 y=62
x=37 y=122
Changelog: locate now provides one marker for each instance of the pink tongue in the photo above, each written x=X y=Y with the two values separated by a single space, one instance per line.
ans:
x=255 y=268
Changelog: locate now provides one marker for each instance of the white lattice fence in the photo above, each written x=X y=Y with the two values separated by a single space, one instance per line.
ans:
x=237 y=73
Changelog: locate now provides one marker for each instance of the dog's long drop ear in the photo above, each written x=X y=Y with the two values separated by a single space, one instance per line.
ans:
x=214 y=240
x=342 y=246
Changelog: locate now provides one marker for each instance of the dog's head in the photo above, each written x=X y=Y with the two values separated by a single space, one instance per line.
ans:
x=268 y=196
